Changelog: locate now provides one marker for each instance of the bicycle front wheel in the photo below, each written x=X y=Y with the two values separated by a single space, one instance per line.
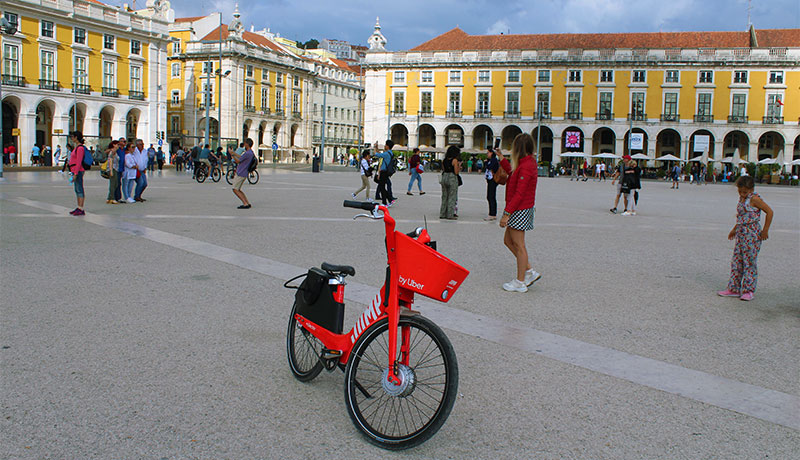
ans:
x=303 y=350
x=253 y=177
x=200 y=175
x=230 y=175
x=216 y=175
x=401 y=416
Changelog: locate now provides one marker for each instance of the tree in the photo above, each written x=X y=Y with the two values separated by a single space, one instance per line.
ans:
x=309 y=45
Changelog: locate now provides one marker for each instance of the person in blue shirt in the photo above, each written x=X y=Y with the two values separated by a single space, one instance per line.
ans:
x=35 y=155
x=121 y=170
x=384 y=191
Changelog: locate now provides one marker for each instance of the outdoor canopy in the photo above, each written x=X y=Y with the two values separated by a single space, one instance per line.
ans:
x=668 y=157
x=641 y=156
x=603 y=155
x=573 y=154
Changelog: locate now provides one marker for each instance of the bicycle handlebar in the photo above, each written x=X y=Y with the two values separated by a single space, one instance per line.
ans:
x=365 y=205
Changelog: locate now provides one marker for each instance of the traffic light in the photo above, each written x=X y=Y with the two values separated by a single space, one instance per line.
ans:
x=158 y=135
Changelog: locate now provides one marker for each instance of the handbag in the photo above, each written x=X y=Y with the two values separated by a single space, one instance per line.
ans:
x=500 y=176
x=420 y=170
x=104 y=172
x=460 y=182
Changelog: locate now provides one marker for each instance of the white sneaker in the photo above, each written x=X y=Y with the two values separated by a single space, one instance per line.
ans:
x=531 y=276
x=633 y=213
x=130 y=200
x=353 y=195
x=515 y=285
x=626 y=213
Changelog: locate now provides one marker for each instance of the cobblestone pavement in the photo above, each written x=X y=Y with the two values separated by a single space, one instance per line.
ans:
x=157 y=330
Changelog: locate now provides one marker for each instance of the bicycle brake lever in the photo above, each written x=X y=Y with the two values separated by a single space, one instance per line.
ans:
x=373 y=216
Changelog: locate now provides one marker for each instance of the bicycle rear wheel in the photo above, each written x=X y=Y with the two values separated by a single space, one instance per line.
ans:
x=303 y=351
x=253 y=177
x=200 y=175
x=399 y=417
x=216 y=175
x=229 y=176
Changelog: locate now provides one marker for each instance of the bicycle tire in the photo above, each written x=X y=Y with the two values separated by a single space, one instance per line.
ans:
x=216 y=175
x=230 y=175
x=253 y=174
x=303 y=354
x=200 y=175
x=420 y=408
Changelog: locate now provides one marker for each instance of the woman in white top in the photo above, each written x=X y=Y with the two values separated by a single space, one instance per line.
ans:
x=364 y=167
x=129 y=176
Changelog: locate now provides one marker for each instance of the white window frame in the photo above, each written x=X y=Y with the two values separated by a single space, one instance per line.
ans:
x=542 y=72
x=175 y=124
x=677 y=102
x=75 y=35
x=112 y=41
x=736 y=74
x=508 y=101
x=511 y=72
x=487 y=74
x=478 y=101
x=453 y=76
x=42 y=65
x=574 y=76
x=175 y=97
x=279 y=77
x=639 y=76
x=450 y=106
x=265 y=74
x=176 y=46
x=402 y=95
x=137 y=50
x=644 y=102
x=710 y=105
x=705 y=77
x=746 y=102
x=549 y=100
x=607 y=73
x=279 y=100
x=669 y=73
x=599 y=101
x=8 y=62
x=580 y=100
x=249 y=71
x=248 y=96
x=135 y=71
x=265 y=98
x=779 y=97
x=776 y=73
x=421 y=93
x=112 y=82
x=295 y=102
x=176 y=69
x=399 y=76
x=82 y=80
x=43 y=30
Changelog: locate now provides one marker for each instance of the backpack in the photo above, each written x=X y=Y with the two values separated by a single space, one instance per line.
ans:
x=391 y=168
x=87 y=158
x=368 y=171
x=253 y=164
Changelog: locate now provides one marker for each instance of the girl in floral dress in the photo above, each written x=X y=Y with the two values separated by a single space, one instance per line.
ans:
x=748 y=235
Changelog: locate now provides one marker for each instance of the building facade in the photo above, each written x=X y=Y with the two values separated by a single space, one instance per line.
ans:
x=75 y=64
x=244 y=84
x=686 y=94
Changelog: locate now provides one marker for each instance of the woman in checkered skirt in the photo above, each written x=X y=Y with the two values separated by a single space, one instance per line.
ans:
x=519 y=210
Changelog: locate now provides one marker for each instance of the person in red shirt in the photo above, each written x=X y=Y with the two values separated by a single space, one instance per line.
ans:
x=76 y=168
x=519 y=210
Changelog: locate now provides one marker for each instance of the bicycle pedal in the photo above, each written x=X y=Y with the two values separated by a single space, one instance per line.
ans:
x=331 y=354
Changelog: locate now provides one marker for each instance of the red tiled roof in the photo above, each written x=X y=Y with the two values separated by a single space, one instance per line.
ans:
x=189 y=19
x=254 y=38
x=342 y=64
x=457 y=39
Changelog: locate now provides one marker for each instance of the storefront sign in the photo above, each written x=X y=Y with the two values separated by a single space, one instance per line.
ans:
x=701 y=142
x=572 y=140
x=637 y=141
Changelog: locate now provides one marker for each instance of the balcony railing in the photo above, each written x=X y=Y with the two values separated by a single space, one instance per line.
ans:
x=637 y=117
x=604 y=116
x=674 y=117
x=737 y=119
x=280 y=113
x=203 y=106
x=512 y=114
x=573 y=115
x=772 y=120
x=297 y=115
x=704 y=118
x=13 y=80
x=51 y=85
x=453 y=114
x=483 y=114
x=250 y=108
x=425 y=114
x=266 y=111
x=398 y=114
x=136 y=95
x=110 y=92
x=544 y=115
x=81 y=89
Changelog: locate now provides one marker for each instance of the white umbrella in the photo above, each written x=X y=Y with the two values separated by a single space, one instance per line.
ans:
x=573 y=154
x=668 y=157
x=704 y=158
x=767 y=161
x=796 y=162
x=736 y=159
x=727 y=160
x=697 y=159
x=641 y=156
x=605 y=155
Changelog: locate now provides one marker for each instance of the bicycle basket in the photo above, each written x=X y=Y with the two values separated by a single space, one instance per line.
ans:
x=425 y=271
x=314 y=301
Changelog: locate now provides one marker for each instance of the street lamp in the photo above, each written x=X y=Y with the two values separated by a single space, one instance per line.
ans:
x=75 y=98
x=6 y=28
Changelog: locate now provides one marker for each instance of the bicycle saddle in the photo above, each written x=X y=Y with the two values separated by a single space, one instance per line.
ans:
x=343 y=269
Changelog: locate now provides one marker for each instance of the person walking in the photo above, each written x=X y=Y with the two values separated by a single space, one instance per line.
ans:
x=414 y=170
x=384 y=191
x=451 y=168
x=151 y=158
x=121 y=147
x=35 y=151
x=129 y=176
x=178 y=159
x=631 y=183
x=77 y=169
x=160 y=159
x=142 y=163
x=603 y=170
x=620 y=174
x=676 y=176
x=12 y=155
x=57 y=155
x=242 y=170
x=492 y=165
x=113 y=173
x=520 y=208
x=748 y=235
x=365 y=173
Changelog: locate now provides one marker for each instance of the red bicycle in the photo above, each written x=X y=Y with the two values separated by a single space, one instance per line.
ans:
x=401 y=373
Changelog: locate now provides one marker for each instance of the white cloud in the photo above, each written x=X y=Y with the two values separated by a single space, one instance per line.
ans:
x=501 y=26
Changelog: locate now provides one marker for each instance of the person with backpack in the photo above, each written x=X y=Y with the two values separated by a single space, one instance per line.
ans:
x=387 y=167
x=77 y=166
x=414 y=170
x=244 y=163
x=366 y=173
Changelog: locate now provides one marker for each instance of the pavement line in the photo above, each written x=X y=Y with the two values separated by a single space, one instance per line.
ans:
x=762 y=403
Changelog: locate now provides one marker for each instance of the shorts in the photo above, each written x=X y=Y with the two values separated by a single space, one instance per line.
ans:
x=205 y=161
x=522 y=219
x=238 y=181
x=77 y=181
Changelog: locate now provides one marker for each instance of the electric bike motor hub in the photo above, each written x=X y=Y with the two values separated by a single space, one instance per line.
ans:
x=408 y=381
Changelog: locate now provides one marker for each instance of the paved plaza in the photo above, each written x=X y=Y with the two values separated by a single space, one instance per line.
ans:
x=157 y=330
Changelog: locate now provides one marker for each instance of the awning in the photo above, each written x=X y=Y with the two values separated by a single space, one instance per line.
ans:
x=668 y=158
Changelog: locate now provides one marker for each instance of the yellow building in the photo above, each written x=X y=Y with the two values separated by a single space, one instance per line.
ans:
x=104 y=61
x=256 y=84
x=687 y=93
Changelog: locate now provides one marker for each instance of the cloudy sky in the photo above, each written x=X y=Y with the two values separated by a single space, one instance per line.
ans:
x=411 y=22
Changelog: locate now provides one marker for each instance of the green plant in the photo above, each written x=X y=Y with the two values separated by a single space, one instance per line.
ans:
x=751 y=169
x=660 y=173
x=545 y=164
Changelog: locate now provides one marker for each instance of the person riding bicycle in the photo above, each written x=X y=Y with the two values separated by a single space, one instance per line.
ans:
x=204 y=157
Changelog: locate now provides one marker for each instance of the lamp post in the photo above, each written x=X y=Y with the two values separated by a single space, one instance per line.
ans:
x=636 y=107
x=75 y=98
x=219 y=86
x=6 y=28
x=322 y=137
